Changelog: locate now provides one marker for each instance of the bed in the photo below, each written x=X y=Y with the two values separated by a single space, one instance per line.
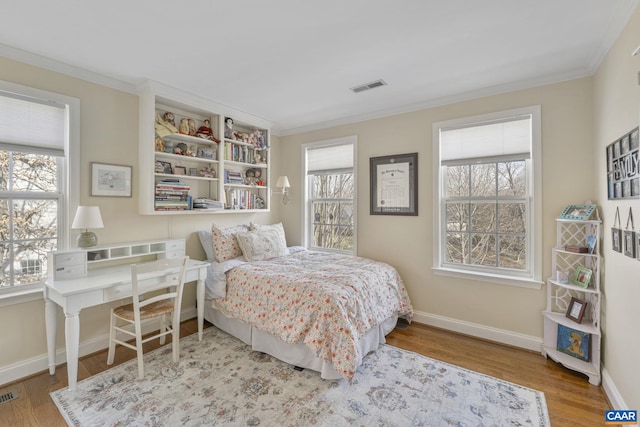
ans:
x=315 y=310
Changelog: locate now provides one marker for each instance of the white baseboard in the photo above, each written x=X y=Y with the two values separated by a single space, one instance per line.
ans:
x=40 y=363
x=481 y=331
x=610 y=389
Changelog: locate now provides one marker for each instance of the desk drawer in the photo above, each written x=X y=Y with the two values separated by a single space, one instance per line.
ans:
x=124 y=290
x=175 y=245
x=67 y=265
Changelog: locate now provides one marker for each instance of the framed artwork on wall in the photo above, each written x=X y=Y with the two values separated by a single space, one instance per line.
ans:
x=623 y=175
x=110 y=180
x=394 y=185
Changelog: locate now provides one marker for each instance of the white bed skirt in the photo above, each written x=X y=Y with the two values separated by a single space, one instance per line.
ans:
x=294 y=354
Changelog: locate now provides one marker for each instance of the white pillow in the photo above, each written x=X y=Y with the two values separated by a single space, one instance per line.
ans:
x=261 y=244
x=278 y=227
x=206 y=240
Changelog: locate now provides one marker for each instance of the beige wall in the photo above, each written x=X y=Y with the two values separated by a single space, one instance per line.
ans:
x=616 y=112
x=108 y=134
x=406 y=242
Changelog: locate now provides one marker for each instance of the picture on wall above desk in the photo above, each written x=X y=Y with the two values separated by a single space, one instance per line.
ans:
x=394 y=185
x=623 y=176
x=110 y=180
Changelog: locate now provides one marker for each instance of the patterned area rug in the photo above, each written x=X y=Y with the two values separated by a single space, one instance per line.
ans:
x=221 y=381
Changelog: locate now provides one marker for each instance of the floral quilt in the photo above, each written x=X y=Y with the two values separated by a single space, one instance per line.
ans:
x=327 y=301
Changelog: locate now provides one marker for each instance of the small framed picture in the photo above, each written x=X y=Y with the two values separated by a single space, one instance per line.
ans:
x=193 y=171
x=630 y=238
x=576 y=309
x=582 y=277
x=579 y=212
x=180 y=170
x=110 y=180
x=163 y=167
x=573 y=342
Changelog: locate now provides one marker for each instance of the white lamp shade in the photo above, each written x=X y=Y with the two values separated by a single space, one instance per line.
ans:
x=87 y=217
x=283 y=182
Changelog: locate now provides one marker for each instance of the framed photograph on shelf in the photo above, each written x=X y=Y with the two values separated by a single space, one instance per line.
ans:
x=110 y=180
x=179 y=170
x=574 y=343
x=582 y=277
x=576 y=309
x=579 y=212
x=163 y=167
x=394 y=185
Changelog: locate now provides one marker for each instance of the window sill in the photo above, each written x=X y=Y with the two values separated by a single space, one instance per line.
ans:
x=14 y=296
x=519 y=282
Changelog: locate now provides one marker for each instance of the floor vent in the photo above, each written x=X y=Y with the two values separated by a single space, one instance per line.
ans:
x=368 y=86
x=8 y=396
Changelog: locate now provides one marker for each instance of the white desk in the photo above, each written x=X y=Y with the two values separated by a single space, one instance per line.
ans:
x=99 y=286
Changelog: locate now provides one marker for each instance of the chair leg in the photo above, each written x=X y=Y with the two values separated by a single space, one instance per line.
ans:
x=139 y=351
x=163 y=328
x=112 y=344
x=175 y=337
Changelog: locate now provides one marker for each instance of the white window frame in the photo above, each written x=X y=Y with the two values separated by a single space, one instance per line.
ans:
x=68 y=183
x=307 y=208
x=532 y=277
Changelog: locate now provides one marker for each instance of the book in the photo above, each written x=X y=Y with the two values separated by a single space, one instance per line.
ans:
x=576 y=249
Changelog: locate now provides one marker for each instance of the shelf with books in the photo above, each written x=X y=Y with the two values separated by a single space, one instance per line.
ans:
x=182 y=136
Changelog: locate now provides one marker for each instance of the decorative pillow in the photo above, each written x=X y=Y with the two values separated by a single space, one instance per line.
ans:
x=261 y=244
x=278 y=227
x=206 y=240
x=225 y=244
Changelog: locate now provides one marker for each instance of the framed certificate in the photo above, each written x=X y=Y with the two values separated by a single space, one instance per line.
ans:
x=394 y=185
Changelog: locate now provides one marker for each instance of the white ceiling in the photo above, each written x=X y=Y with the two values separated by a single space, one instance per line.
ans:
x=292 y=62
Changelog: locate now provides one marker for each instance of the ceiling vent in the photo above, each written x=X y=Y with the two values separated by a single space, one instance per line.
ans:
x=368 y=86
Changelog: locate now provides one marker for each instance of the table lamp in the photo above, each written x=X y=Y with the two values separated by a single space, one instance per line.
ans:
x=87 y=217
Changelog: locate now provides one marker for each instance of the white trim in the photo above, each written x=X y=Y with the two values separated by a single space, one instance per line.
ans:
x=477 y=330
x=612 y=392
x=533 y=277
x=21 y=295
x=38 y=364
x=521 y=282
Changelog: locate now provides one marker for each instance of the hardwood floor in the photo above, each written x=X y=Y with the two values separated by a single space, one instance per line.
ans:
x=571 y=400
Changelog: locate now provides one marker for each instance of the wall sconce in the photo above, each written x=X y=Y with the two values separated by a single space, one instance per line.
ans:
x=283 y=182
x=87 y=217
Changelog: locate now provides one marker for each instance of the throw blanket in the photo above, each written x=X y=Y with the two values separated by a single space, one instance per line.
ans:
x=327 y=301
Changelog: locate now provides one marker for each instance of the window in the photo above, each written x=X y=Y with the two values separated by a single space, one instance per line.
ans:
x=330 y=194
x=35 y=136
x=487 y=207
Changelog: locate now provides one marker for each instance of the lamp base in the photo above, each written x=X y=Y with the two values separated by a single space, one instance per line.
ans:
x=87 y=239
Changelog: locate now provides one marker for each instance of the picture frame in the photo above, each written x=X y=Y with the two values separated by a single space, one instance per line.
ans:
x=193 y=171
x=582 y=277
x=110 y=180
x=179 y=170
x=629 y=241
x=579 y=212
x=394 y=185
x=623 y=181
x=576 y=309
x=574 y=342
x=163 y=167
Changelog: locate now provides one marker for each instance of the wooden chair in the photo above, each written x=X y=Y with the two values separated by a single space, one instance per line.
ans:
x=156 y=291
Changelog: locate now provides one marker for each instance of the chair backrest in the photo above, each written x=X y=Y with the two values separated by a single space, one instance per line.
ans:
x=166 y=274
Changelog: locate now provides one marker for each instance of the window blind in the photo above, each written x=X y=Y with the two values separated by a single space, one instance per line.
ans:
x=330 y=158
x=32 y=125
x=502 y=140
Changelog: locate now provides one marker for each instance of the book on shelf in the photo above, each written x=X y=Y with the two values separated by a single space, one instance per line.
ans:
x=576 y=249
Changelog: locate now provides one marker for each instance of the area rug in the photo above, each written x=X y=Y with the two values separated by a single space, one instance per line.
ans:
x=221 y=381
